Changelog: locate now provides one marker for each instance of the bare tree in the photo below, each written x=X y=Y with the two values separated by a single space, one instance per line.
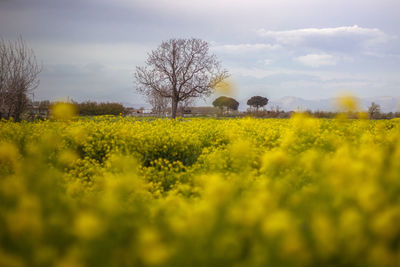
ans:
x=180 y=69
x=18 y=77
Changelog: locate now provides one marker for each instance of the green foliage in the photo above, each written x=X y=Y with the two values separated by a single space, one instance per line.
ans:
x=95 y=109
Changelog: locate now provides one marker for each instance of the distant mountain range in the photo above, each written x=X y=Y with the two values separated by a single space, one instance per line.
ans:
x=290 y=103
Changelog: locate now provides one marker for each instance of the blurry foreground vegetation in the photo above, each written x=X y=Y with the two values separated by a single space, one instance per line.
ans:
x=115 y=191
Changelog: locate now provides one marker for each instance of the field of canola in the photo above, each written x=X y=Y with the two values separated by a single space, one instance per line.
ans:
x=113 y=191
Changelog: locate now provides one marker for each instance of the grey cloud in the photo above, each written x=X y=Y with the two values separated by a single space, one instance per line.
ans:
x=90 y=48
x=87 y=82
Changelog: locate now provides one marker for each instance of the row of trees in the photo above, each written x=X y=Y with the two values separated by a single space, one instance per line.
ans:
x=41 y=109
x=228 y=103
x=90 y=108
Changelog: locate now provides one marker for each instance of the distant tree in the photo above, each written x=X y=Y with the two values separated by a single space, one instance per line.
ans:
x=226 y=102
x=374 y=111
x=257 y=102
x=19 y=73
x=180 y=69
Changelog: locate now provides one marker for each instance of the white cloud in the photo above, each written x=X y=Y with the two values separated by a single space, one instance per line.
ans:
x=297 y=36
x=324 y=76
x=317 y=60
x=245 y=48
x=343 y=39
x=267 y=61
x=257 y=73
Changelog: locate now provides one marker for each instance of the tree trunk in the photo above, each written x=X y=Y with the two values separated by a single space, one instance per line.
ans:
x=174 y=107
x=19 y=106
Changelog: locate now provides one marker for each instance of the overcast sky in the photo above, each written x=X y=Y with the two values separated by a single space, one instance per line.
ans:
x=305 y=48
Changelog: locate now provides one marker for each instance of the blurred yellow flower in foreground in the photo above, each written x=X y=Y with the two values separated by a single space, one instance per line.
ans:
x=88 y=225
x=63 y=111
x=347 y=103
x=153 y=251
x=226 y=87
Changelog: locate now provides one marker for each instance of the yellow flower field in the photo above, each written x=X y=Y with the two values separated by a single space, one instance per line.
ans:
x=114 y=191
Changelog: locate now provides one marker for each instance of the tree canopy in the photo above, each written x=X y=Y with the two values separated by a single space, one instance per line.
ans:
x=227 y=102
x=257 y=101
